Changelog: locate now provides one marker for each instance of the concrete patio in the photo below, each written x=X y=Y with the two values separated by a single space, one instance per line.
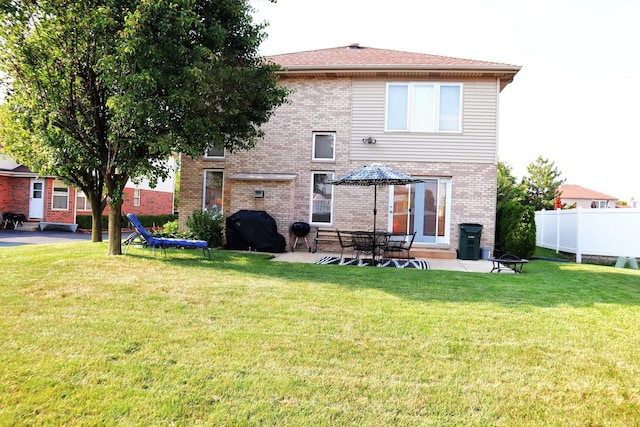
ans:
x=479 y=266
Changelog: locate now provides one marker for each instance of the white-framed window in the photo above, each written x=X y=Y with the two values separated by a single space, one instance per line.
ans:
x=324 y=146
x=60 y=196
x=136 y=197
x=212 y=191
x=82 y=202
x=214 y=152
x=424 y=107
x=321 y=203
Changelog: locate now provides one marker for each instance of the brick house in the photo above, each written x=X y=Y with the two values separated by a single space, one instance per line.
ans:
x=49 y=200
x=430 y=116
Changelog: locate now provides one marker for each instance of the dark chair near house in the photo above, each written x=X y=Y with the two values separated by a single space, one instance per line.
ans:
x=162 y=243
x=398 y=243
x=345 y=243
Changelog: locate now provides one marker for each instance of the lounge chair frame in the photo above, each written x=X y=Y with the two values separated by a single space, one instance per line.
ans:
x=162 y=243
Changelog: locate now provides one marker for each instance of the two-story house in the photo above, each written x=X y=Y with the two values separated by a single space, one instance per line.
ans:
x=429 y=116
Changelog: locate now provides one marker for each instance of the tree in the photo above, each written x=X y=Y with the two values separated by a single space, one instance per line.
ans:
x=542 y=183
x=508 y=190
x=106 y=90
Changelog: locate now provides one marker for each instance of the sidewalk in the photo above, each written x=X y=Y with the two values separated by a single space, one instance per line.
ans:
x=479 y=266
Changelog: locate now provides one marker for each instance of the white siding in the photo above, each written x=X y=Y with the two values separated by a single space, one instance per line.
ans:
x=476 y=144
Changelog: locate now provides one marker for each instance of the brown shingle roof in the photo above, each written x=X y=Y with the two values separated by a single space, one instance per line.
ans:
x=571 y=191
x=356 y=60
x=356 y=55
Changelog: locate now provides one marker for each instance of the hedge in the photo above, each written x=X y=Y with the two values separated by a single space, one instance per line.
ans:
x=86 y=221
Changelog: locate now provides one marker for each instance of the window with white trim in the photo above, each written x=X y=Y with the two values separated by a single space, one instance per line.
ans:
x=136 y=197
x=424 y=107
x=321 y=198
x=82 y=202
x=324 y=146
x=213 y=191
x=60 y=196
x=214 y=152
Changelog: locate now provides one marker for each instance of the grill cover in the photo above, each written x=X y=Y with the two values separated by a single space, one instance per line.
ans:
x=254 y=230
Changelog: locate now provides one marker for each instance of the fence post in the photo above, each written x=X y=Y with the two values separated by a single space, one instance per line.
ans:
x=557 y=230
x=578 y=249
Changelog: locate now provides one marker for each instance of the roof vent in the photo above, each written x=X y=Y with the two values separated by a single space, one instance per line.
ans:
x=354 y=46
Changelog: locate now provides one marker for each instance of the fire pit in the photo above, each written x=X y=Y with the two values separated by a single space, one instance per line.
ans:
x=300 y=230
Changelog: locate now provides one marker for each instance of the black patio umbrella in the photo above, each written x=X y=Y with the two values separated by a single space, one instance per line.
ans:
x=375 y=174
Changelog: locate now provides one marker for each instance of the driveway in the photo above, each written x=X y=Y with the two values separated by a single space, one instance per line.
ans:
x=19 y=237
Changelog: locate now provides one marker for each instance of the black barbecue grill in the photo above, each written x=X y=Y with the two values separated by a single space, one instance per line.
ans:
x=300 y=230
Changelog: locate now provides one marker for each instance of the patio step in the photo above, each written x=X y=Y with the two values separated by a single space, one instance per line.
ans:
x=433 y=253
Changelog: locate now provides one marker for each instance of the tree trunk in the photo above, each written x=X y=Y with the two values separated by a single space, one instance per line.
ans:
x=115 y=230
x=96 y=220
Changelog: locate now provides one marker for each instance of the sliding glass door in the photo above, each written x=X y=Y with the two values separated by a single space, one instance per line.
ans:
x=423 y=208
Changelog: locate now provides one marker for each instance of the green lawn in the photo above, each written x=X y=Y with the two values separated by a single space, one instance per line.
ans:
x=88 y=339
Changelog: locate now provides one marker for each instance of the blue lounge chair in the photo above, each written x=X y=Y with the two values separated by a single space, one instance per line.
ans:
x=161 y=242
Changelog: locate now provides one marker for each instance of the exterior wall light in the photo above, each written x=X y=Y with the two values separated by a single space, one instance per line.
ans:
x=369 y=140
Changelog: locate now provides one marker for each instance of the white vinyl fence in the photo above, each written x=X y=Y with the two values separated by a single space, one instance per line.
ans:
x=607 y=232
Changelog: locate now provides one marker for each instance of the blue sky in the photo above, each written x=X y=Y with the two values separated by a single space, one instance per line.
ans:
x=576 y=100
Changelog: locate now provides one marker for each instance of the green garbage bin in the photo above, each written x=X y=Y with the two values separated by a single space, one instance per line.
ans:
x=469 y=244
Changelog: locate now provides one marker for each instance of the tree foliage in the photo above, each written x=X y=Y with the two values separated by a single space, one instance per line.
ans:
x=516 y=229
x=101 y=91
x=542 y=183
x=508 y=190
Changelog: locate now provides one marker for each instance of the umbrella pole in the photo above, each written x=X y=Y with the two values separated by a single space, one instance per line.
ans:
x=375 y=209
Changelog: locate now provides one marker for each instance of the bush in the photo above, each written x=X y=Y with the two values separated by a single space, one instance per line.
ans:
x=171 y=227
x=516 y=230
x=205 y=226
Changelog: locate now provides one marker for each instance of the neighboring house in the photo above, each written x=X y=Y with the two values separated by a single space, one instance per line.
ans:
x=584 y=197
x=47 y=199
x=430 y=116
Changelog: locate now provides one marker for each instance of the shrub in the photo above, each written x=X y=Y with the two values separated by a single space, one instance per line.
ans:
x=205 y=226
x=171 y=227
x=516 y=230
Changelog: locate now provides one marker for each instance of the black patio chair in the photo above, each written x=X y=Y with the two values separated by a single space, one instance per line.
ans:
x=345 y=244
x=399 y=243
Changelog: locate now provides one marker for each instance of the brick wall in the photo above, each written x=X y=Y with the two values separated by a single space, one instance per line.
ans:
x=5 y=194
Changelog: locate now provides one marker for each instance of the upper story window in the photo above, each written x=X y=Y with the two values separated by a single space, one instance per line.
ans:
x=324 y=146
x=60 y=195
x=424 y=107
x=214 y=152
x=136 y=197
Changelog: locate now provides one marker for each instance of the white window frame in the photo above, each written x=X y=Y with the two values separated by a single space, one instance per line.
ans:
x=218 y=156
x=411 y=124
x=314 y=204
x=82 y=201
x=333 y=150
x=136 y=196
x=212 y=203
x=57 y=186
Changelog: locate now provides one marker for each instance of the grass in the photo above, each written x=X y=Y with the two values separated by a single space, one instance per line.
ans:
x=89 y=339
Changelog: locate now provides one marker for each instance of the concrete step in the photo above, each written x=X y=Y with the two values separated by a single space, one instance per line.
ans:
x=433 y=253
x=29 y=226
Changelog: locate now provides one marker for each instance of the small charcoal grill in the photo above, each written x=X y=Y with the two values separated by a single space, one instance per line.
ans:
x=300 y=230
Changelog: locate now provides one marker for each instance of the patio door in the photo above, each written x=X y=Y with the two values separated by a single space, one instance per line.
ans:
x=36 y=199
x=423 y=208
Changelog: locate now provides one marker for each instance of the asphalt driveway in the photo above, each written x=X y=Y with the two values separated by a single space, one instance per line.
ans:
x=19 y=237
